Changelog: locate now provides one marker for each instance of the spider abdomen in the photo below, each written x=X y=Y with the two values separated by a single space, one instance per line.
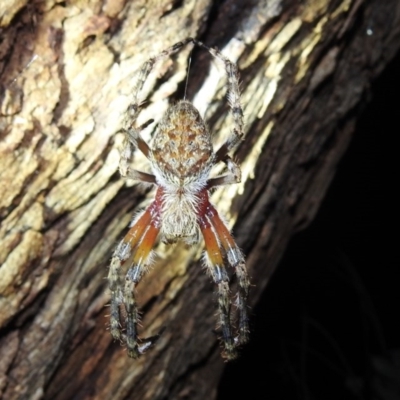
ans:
x=182 y=145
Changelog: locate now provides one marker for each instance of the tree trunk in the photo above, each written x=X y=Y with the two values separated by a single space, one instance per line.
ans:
x=67 y=77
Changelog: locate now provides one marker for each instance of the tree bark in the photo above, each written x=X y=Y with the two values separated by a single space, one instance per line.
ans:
x=67 y=77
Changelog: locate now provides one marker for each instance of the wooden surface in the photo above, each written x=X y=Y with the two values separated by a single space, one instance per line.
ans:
x=67 y=73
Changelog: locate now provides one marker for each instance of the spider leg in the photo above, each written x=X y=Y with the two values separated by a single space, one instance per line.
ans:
x=233 y=96
x=133 y=137
x=144 y=72
x=218 y=272
x=233 y=253
x=134 y=249
x=133 y=140
x=235 y=259
x=139 y=261
x=120 y=256
x=140 y=176
x=114 y=282
x=146 y=69
x=234 y=175
x=127 y=157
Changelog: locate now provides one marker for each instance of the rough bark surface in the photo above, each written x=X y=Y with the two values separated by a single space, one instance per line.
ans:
x=67 y=73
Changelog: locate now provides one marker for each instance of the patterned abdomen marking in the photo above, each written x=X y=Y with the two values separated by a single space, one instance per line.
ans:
x=182 y=145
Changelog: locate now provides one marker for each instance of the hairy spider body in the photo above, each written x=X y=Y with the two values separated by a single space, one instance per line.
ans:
x=181 y=160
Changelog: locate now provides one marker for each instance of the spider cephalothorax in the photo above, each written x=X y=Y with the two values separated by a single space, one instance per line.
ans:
x=181 y=159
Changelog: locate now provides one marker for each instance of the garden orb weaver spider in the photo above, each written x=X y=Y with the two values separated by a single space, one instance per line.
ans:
x=181 y=159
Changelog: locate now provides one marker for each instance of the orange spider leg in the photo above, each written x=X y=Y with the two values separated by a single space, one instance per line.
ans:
x=137 y=229
x=235 y=259
x=140 y=239
x=121 y=254
x=135 y=250
x=139 y=261
x=215 y=264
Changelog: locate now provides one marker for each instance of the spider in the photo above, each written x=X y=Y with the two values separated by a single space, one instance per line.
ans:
x=181 y=159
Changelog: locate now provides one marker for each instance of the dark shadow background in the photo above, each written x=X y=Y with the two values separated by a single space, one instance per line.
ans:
x=328 y=324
